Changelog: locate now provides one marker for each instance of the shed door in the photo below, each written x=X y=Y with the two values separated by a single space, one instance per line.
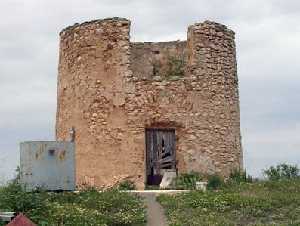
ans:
x=160 y=153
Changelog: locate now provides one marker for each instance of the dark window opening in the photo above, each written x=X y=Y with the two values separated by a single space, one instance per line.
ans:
x=51 y=152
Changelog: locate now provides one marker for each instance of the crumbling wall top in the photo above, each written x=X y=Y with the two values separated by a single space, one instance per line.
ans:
x=70 y=29
x=214 y=26
x=206 y=26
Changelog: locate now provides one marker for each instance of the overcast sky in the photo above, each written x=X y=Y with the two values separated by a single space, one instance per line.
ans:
x=268 y=52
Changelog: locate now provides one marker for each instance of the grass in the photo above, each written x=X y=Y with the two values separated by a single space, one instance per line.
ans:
x=239 y=201
x=259 y=203
x=90 y=207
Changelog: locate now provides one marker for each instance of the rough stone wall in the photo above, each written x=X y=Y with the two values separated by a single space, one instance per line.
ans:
x=150 y=60
x=94 y=59
x=110 y=90
x=213 y=73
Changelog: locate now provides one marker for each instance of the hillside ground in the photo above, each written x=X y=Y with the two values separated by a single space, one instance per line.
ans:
x=258 y=203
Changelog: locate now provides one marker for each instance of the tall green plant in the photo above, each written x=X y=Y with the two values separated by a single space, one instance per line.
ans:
x=282 y=172
x=187 y=181
x=238 y=176
x=214 y=182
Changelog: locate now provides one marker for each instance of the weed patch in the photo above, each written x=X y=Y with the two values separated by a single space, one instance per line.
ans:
x=259 y=203
x=88 y=207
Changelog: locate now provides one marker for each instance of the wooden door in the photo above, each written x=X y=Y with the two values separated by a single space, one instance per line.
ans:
x=160 y=153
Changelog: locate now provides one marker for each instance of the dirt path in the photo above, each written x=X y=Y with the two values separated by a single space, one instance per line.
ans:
x=155 y=213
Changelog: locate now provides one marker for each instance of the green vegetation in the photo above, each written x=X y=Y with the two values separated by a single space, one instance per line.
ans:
x=2 y=223
x=214 y=182
x=186 y=181
x=239 y=201
x=260 y=203
x=152 y=187
x=88 y=207
x=127 y=185
x=239 y=177
x=282 y=172
x=175 y=67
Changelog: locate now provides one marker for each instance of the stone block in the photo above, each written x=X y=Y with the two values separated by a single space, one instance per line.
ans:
x=168 y=177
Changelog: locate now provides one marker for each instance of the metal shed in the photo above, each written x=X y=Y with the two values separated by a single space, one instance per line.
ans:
x=49 y=165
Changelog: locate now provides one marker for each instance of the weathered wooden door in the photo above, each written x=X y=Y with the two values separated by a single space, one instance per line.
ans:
x=160 y=153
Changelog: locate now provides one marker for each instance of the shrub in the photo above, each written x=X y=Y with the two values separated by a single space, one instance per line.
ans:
x=237 y=176
x=187 y=181
x=214 y=182
x=127 y=185
x=282 y=172
x=14 y=198
x=88 y=207
x=175 y=67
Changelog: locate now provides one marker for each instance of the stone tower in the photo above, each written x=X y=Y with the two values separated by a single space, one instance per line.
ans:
x=137 y=109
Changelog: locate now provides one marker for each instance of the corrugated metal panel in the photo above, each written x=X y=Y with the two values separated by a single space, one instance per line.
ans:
x=48 y=165
x=6 y=216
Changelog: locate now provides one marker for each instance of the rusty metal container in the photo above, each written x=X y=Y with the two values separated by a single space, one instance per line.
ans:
x=49 y=165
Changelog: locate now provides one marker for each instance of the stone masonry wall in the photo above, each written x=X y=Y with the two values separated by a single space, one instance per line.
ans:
x=94 y=59
x=150 y=60
x=110 y=90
